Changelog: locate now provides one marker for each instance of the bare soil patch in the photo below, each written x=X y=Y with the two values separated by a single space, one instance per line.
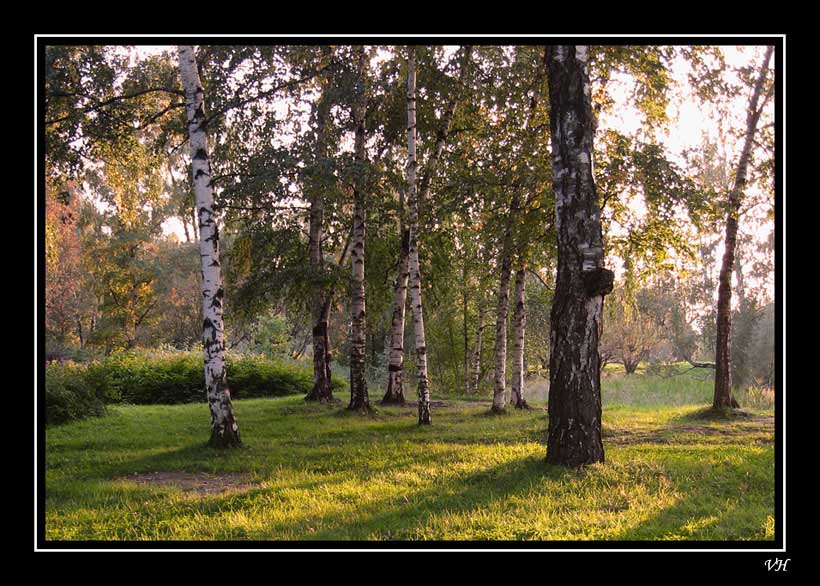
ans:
x=200 y=483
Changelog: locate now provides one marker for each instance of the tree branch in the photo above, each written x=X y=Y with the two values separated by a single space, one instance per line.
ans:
x=110 y=101
x=537 y=276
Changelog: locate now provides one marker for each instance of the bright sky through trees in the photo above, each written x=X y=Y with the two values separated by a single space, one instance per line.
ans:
x=689 y=122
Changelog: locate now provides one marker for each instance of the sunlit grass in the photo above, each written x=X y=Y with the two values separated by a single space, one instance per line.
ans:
x=318 y=472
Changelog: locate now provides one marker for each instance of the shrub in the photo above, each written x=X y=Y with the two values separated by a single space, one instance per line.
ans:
x=69 y=396
x=75 y=391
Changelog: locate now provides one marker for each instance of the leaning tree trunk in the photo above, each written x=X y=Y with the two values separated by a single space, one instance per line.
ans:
x=322 y=390
x=359 y=400
x=575 y=382
x=723 y=359
x=415 y=273
x=395 y=374
x=224 y=428
x=519 y=329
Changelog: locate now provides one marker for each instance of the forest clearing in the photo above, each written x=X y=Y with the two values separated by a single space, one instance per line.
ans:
x=310 y=292
x=318 y=472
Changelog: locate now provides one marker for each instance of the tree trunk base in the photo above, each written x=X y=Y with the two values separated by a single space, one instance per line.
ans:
x=391 y=399
x=522 y=404
x=496 y=410
x=425 y=417
x=730 y=404
x=360 y=407
x=228 y=439
x=574 y=459
x=395 y=390
x=319 y=394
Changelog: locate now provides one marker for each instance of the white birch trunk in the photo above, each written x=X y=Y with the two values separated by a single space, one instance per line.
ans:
x=499 y=380
x=395 y=380
x=359 y=399
x=224 y=428
x=476 y=365
x=415 y=273
x=519 y=329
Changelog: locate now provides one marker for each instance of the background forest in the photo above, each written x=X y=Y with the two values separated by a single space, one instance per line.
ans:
x=121 y=230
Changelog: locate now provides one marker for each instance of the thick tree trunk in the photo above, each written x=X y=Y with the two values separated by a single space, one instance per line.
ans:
x=723 y=359
x=395 y=387
x=224 y=428
x=322 y=390
x=574 y=437
x=476 y=365
x=519 y=329
x=422 y=378
x=359 y=399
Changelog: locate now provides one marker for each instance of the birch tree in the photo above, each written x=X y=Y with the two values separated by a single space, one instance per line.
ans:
x=574 y=437
x=224 y=427
x=415 y=273
x=359 y=400
x=475 y=366
x=502 y=310
x=395 y=390
x=322 y=390
x=519 y=330
x=723 y=360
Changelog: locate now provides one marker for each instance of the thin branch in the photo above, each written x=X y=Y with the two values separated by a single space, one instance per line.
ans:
x=258 y=208
x=109 y=101
x=537 y=276
x=265 y=94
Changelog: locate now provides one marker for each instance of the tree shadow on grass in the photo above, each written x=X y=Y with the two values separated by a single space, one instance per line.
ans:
x=717 y=504
x=396 y=520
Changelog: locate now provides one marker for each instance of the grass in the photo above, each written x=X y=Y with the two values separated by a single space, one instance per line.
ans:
x=316 y=472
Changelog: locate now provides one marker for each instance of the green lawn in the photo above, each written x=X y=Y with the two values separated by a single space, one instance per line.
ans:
x=317 y=472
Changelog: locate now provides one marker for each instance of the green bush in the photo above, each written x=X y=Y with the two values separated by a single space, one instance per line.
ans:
x=69 y=396
x=75 y=391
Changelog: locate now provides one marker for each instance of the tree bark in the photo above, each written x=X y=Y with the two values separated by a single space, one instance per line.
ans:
x=519 y=329
x=322 y=390
x=395 y=387
x=465 y=328
x=224 y=427
x=574 y=437
x=422 y=378
x=502 y=310
x=476 y=365
x=723 y=358
x=359 y=399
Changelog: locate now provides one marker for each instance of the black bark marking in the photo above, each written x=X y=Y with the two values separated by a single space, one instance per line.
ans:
x=201 y=154
x=598 y=282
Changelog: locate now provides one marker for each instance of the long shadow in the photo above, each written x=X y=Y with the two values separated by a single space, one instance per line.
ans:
x=693 y=514
x=479 y=490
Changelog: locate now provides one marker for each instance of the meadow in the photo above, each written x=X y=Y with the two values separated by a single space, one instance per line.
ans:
x=317 y=472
